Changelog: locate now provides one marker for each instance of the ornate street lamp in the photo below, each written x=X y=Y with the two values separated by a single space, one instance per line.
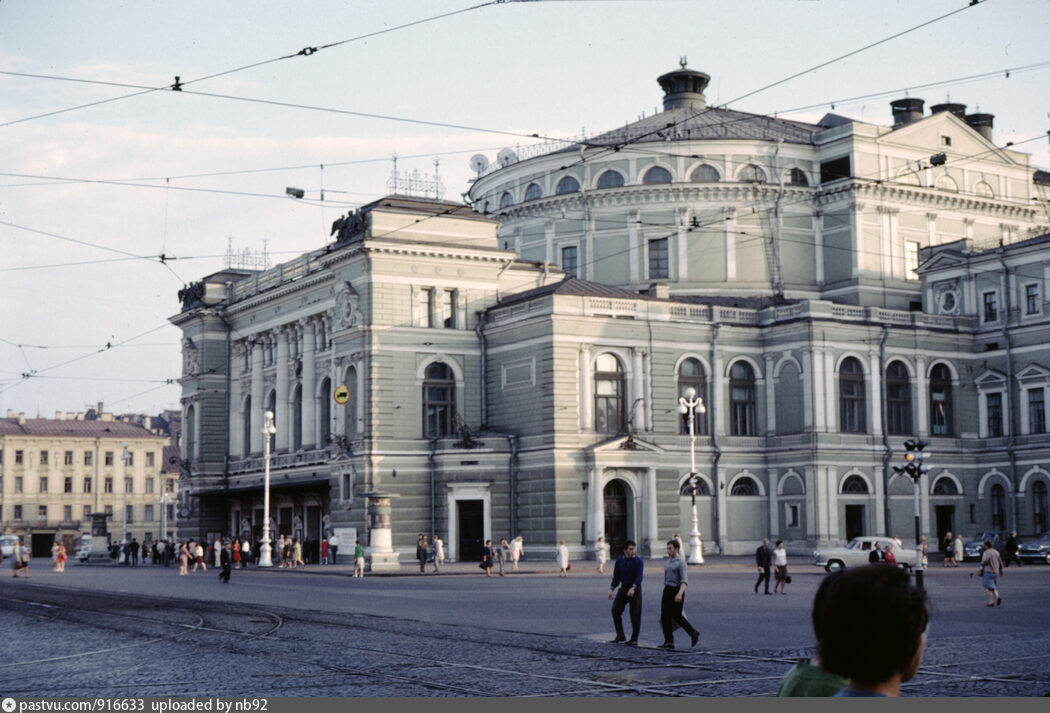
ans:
x=689 y=405
x=268 y=430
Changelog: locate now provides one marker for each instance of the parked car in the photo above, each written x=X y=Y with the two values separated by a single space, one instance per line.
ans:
x=855 y=554
x=1036 y=550
x=973 y=549
x=7 y=545
x=82 y=548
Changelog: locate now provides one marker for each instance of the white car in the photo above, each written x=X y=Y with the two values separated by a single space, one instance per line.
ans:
x=856 y=553
x=7 y=545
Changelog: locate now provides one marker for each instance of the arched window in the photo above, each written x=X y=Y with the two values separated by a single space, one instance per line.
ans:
x=701 y=487
x=742 y=400
x=533 y=192
x=744 y=486
x=610 y=179
x=945 y=486
x=1039 y=519
x=908 y=177
x=350 y=407
x=947 y=183
x=998 y=503
x=705 y=173
x=506 y=200
x=752 y=174
x=691 y=374
x=297 y=418
x=941 y=401
x=439 y=400
x=191 y=432
x=851 y=397
x=271 y=406
x=568 y=184
x=246 y=430
x=854 y=485
x=657 y=174
x=898 y=399
x=982 y=188
x=797 y=177
x=608 y=395
x=325 y=416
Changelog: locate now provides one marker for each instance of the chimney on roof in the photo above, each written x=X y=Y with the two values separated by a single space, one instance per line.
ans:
x=981 y=123
x=21 y=418
x=10 y=413
x=58 y=415
x=958 y=109
x=660 y=290
x=80 y=416
x=906 y=110
x=146 y=422
x=69 y=415
x=105 y=416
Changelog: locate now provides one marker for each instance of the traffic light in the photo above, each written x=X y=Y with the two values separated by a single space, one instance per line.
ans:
x=913 y=459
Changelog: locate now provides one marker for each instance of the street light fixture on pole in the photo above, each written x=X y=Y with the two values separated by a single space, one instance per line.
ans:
x=689 y=405
x=124 y=522
x=268 y=430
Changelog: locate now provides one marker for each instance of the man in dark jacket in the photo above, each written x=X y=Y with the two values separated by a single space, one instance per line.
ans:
x=627 y=575
x=876 y=556
x=224 y=561
x=763 y=560
x=1011 y=550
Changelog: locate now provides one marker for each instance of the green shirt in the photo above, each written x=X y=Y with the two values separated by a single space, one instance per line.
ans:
x=807 y=680
x=359 y=552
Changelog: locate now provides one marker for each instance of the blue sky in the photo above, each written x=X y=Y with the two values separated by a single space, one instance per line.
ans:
x=551 y=67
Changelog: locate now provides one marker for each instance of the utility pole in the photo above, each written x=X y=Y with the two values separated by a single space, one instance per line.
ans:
x=915 y=468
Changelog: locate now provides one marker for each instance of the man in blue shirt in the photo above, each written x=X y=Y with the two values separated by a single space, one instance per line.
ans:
x=627 y=574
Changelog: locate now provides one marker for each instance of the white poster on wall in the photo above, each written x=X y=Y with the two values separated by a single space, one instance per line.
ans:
x=347 y=539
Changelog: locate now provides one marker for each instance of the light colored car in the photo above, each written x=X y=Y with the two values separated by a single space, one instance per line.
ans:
x=7 y=545
x=82 y=548
x=1035 y=550
x=856 y=553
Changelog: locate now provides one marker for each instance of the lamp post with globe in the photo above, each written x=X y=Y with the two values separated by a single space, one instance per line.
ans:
x=268 y=430
x=689 y=405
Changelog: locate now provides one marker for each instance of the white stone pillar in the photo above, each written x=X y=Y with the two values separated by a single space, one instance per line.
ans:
x=282 y=421
x=586 y=393
x=771 y=408
x=816 y=367
x=830 y=402
x=881 y=498
x=774 y=504
x=548 y=234
x=652 y=530
x=235 y=418
x=634 y=260
x=811 y=517
x=820 y=495
x=257 y=397
x=637 y=391
x=730 y=237
x=818 y=246
x=595 y=507
x=832 y=495
x=648 y=376
x=310 y=410
x=922 y=396
x=875 y=411
x=718 y=423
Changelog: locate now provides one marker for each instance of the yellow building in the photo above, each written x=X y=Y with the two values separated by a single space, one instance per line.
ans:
x=54 y=473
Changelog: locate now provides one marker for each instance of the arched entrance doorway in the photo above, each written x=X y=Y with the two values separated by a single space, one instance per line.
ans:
x=615 y=507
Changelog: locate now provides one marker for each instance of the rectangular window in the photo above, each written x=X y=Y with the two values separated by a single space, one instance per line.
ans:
x=995 y=415
x=18 y=483
x=87 y=484
x=169 y=485
x=43 y=457
x=659 y=260
x=150 y=459
x=67 y=513
x=41 y=513
x=568 y=260
x=131 y=458
x=149 y=485
x=67 y=485
x=171 y=511
x=18 y=512
x=87 y=513
x=792 y=516
x=18 y=457
x=449 y=316
x=990 y=311
x=109 y=458
x=1036 y=411
x=1031 y=299
x=88 y=457
x=911 y=260
x=69 y=458
x=108 y=486
x=834 y=169
x=129 y=513
x=432 y=307
x=148 y=514
x=129 y=485
x=946 y=140
x=108 y=510
x=44 y=484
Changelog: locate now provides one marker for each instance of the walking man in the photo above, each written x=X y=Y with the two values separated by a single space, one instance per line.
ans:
x=421 y=553
x=763 y=560
x=1011 y=550
x=359 y=560
x=627 y=575
x=224 y=561
x=675 y=582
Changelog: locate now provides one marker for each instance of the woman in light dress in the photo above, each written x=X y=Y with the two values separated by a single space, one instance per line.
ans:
x=959 y=554
x=563 y=559
x=60 y=559
x=601 y=551
x=517 y=549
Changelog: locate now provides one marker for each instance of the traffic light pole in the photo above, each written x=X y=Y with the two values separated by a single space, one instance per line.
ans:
x=914 y=467
x=918 y=536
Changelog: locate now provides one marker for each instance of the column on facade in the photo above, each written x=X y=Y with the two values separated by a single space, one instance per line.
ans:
x=652 y=530
x=717 y=423
x=831 y=494
x=647 y=362
x=637 y=390
x=881 y=498
x=548 y=235
x=820 y=498
x=595 y=507
x=338 y=424
x=812 y=518
x=818 y=246
x=258 y=407
x=925 y=511
x=634 y=259
x=814 y=420
x=235 y=418
x=774 y=503
x=831 y=413
x=771 y=408
x=875 y=411
x=586 y=386
x=284 y=336
x=730 y=225
x=585 y=267
x=921 y=394
x=310 y=410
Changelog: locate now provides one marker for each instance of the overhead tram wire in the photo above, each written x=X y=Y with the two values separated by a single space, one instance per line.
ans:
x=304 y=52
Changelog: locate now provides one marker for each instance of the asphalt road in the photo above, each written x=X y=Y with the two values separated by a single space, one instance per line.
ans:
x=532 y=621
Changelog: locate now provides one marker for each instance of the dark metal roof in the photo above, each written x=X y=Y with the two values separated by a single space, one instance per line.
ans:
x=75 y=429
x=572 y=286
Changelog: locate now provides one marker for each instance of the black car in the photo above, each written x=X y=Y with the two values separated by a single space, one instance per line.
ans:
x=1035 y=550
x=973 y=549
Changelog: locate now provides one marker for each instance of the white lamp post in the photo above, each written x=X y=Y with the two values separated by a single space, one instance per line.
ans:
x=689 y=405
x=264 y=550
x=124 y=522
x=165 y=500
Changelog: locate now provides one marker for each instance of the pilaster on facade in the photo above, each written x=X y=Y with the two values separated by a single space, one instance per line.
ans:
x=637 y=389
x=771 y=407
x=586 y=380
x=922 y=388
x=282 y=420
x=875 y=412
